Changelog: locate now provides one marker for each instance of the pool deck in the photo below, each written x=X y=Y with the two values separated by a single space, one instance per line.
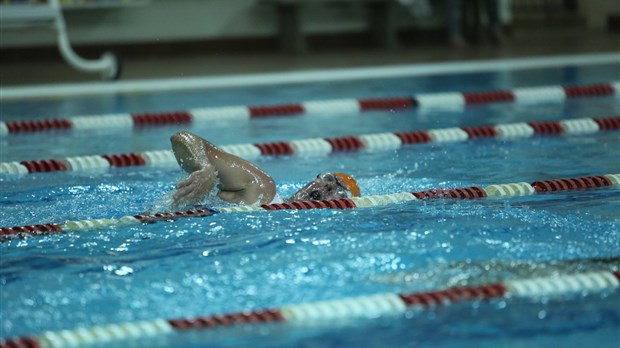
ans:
x=29 y=68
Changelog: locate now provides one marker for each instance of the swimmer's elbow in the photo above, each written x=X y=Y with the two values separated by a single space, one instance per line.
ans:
x=182 y=137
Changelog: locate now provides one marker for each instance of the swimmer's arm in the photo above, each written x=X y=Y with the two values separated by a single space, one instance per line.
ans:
x=238 y=180
x=207 y=165
x=234 y=185
x=238 y=186
x=248 y=195
x=195 y=187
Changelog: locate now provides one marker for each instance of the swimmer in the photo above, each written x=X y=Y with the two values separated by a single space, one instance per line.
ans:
x=239 y=181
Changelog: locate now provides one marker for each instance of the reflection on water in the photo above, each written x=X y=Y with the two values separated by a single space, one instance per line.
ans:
x=468 y=272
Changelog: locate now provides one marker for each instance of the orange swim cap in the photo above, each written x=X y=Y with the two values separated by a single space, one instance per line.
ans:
x=350 y=183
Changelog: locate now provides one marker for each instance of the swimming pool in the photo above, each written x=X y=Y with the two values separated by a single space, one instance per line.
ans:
x=256 y=260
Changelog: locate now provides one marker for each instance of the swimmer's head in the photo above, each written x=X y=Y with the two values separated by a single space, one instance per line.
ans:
x=350 y=183
x=327 y=186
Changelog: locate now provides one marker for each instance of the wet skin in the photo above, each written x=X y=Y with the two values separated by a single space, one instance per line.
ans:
x=237 y=180
x=324 y=186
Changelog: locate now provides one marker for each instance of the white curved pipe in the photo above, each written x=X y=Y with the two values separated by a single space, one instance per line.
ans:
x=106 y=65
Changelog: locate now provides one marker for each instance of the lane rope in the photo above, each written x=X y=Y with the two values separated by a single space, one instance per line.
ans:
x=474 y=192
x=386 y=141
x=318 y=107
x=358 y=307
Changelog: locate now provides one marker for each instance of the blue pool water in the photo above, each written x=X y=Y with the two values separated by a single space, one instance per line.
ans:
x=233 y=262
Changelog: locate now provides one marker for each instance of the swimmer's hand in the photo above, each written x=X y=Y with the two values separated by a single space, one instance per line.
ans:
x=196 y=187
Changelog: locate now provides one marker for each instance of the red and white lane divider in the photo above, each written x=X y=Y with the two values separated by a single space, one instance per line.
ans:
x=330 y=107
x=360 y=307
x=496 y=190
x=324 y=146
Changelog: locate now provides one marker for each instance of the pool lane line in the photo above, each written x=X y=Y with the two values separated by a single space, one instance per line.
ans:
x=310 y=313
x=323 y=146
x=318 y=107
x=307 y=76
x=495 y=190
